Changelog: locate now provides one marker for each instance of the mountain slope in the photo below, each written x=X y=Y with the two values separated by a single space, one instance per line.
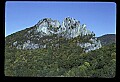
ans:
x=66 y=61
x=49 y=49
x=49 y=32
x=107 y=39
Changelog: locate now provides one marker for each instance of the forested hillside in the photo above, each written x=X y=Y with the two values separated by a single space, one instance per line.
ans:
x=68 y=60
x=107 y=39
x=49 y=49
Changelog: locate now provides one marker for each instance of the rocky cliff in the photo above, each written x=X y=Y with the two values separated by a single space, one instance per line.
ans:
x=47 y=31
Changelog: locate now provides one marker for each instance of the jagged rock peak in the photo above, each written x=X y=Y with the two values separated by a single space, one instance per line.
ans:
x=69 y=22
x=48 y=26
x=73 y=28
x=48 y=22
x=69 y=29
x=70 y=26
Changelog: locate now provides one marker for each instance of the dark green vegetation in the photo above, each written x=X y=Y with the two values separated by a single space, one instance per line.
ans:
x=65 y=60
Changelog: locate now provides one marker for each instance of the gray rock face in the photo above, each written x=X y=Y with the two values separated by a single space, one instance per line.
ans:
x=15 y=43
x=48 y=26
x=74 y=29
x=70 y=28
x=29 y=45
x=90 y=46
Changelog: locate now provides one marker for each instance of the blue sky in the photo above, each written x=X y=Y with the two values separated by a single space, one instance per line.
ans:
x=99 y=17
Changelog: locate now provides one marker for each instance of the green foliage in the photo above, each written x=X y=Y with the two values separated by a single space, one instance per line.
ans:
x=67 y=60
x=87 y=64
